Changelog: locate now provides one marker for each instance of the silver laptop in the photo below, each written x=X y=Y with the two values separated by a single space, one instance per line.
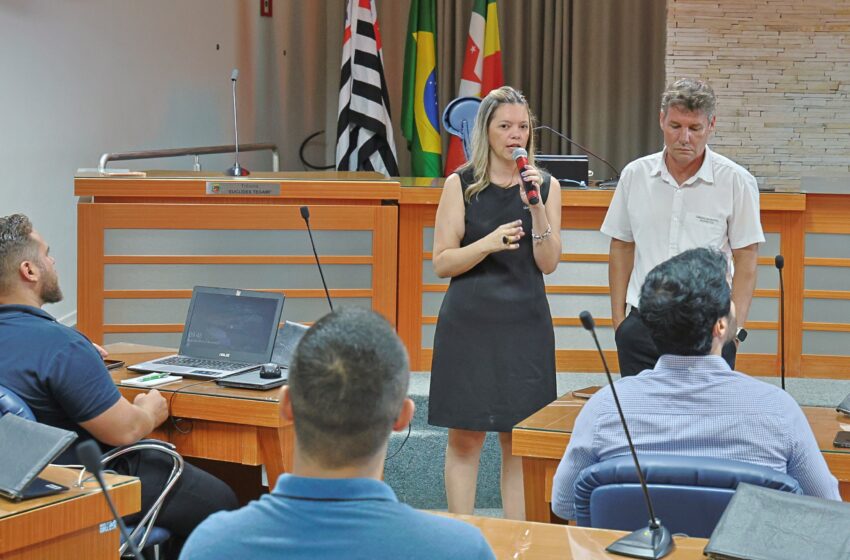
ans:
x=287 y=339
x=284 y=347
x=227 y=331
x=28 y=447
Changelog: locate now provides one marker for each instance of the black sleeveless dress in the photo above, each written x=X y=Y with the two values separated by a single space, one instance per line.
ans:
x=494 y=347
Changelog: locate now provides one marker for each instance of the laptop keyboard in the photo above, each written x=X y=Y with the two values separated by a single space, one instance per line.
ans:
x=200 y=363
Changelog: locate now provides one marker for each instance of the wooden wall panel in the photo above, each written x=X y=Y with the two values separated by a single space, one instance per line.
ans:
x=168 y=202
x=385 y=262
x=826 y=214
x=90 y=270
x=585 y=210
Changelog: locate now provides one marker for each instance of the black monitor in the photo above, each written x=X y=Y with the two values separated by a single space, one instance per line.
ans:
x=570 y=171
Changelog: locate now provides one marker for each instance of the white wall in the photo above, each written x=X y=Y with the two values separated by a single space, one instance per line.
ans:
x=83 y=77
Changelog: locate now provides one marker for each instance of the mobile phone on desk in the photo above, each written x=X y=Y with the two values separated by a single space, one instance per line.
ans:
x=113 y=364
x=842 y=439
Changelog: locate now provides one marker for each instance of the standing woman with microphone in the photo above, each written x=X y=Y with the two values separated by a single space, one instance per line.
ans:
x=494 y=346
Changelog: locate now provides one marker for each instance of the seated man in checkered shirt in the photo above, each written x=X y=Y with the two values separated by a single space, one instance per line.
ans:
x=692 y=403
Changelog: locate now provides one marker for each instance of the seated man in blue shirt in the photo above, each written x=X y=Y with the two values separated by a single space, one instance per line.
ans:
x=347 y=392
x=692 y=403
x=60 y=374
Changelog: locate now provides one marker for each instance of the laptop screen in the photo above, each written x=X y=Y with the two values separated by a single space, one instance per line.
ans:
x=27 y=448
x=224 y=323
x=568 y=170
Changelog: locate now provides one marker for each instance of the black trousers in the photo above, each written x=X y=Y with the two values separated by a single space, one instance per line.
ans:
x=636 y=351
x=196 y=496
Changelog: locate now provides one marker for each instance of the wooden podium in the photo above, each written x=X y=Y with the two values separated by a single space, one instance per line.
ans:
x=581 y=280
x=144 y=242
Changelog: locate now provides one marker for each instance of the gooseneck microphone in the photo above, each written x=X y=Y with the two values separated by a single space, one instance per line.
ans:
x=305 y=213
x=236 y=170
x=521 y=158
x=655 y=540
x=616 y=176
x=779 y=261
x=88 y=453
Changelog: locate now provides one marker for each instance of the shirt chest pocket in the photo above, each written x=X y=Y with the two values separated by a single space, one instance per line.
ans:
x=703 y=230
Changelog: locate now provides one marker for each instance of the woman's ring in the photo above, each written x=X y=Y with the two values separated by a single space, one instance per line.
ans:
x=505 y=240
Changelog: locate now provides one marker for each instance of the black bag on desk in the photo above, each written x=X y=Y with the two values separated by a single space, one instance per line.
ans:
x=26 y=447
x=764 y=524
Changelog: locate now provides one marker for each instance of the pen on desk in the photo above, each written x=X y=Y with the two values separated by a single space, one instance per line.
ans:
x=153 y=377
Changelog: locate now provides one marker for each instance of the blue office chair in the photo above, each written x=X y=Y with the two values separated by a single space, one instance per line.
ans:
x=459 y=120
x=11 y=403
x=689 y=494
x=144 y=534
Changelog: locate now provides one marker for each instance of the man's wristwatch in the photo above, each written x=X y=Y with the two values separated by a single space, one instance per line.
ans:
x=741 y=335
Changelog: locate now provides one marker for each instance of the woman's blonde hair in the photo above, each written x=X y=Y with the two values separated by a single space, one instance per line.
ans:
x=479 y=161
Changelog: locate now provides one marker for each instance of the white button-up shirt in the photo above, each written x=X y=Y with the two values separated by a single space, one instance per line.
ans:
x=716 y=208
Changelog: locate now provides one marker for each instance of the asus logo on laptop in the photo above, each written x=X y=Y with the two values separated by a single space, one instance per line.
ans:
x=224 y=354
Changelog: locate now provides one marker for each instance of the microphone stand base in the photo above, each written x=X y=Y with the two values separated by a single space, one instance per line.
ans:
x=236 y=171
x=644 y=543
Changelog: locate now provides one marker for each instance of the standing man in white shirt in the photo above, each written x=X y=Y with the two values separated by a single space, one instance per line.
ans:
x=683 y=197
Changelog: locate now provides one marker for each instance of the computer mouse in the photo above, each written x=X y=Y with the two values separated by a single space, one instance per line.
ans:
x=270 y=371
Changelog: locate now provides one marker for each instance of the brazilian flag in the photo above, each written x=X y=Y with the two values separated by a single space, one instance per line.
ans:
x=420 y=108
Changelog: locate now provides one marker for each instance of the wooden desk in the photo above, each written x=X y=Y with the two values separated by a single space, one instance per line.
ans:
x=539 y=541
x=233 y=425
x=542 y=438
x=67 y=525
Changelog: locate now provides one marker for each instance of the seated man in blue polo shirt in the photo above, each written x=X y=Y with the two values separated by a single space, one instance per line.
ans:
x=692 y=403
x=347 y=392
x=60 y=374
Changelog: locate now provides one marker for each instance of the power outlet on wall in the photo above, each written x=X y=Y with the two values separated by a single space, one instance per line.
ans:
x=265 y=8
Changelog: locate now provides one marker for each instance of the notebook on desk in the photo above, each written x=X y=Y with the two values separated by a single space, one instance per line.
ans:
x=227 y=331
x=765 y=524
x=28 y=447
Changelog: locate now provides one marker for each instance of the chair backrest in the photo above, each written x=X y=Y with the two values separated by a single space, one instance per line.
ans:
x=145 y=533
x=689 y=494
x=11 y=403
x=459 y=120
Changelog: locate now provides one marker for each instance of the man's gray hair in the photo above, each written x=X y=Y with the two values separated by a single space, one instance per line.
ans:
x=690 y=95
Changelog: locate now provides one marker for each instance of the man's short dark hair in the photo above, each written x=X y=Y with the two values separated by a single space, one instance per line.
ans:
x=682 y=299
x=347 y=382
x=16 y=245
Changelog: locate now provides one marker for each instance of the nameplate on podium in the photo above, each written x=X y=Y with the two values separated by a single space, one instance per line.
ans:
x=231 y=188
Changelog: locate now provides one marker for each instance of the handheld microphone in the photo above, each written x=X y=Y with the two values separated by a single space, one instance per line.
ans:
x=88 y=453
x=521 y=158
x=236 y=170
x=779 y=261
x=305 y=213
x=613 y=180
x=653 y=541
